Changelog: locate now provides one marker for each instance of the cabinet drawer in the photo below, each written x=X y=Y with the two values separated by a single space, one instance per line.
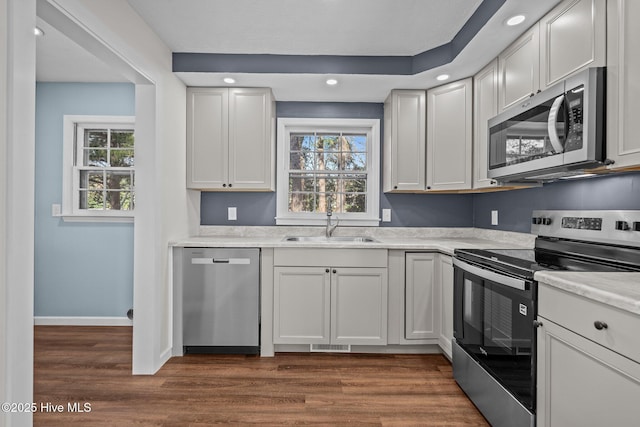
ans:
x=312 y=257
x=578 y=314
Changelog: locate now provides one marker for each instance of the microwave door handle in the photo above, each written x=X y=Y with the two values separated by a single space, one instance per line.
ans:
x=551 y=125
x=501 y=279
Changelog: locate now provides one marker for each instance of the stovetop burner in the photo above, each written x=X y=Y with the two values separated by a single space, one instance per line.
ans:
x=570 y=241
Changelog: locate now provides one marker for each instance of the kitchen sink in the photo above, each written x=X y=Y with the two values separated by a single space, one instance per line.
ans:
x=352 y=239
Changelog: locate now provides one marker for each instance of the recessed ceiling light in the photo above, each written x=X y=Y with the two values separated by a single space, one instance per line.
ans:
x=442 y=77
x=229 y=80
x=515 y=20
x=332 y=82
x=38 y=31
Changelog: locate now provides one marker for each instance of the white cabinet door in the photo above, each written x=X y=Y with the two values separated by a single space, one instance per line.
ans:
x=572 y=37
x=404 y=141
x=519 y=67
x=623 y=91
x=207 y=137
x=449 y=136
x=581 y=383
x=359 y=306
x=421 y=306
x=230 y=139
x=444 y=287
x=485 y=107
x=251 y=143
x=301 y=305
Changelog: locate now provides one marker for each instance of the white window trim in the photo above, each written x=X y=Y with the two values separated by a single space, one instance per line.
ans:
x=70 y=212
x=288 y=125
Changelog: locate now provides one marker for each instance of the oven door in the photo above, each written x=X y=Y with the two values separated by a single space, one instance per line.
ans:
x=493 y=322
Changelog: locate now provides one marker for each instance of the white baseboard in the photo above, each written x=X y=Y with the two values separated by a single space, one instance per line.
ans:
x=82 y=321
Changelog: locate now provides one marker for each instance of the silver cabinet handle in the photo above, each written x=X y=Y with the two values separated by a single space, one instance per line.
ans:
x=205 y=261
x=501 y=279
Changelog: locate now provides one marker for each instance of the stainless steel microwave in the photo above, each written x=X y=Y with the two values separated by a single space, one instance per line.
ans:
x=555 y=133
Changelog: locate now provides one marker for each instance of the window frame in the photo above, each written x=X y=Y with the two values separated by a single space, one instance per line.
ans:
x=70 y=171
x=371 y=127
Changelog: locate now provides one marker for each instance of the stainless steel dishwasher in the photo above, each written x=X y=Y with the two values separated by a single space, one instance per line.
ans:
x=221 y=294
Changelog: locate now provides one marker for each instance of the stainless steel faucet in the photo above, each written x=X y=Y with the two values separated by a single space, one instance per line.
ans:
x=330 y=226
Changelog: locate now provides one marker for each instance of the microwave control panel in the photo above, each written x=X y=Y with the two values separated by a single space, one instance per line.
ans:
x=574 y=100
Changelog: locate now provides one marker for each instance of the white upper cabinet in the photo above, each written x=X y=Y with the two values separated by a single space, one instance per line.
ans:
x=572 y=37
x=449 y=136
x=485 y=106
x=404 y=141
x=230 y=139
x=519 y=69
x=623 y=91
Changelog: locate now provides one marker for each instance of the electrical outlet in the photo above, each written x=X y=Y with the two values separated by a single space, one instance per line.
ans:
x=386 y=215
x=232 y=214
x=56 y=209
x=494 y=217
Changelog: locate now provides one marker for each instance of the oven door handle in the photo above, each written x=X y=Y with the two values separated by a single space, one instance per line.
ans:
x=501 y=279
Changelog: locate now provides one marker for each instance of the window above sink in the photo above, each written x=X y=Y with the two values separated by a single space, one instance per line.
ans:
x=328 y=165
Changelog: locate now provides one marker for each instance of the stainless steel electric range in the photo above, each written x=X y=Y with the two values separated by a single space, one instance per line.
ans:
x=495 y=303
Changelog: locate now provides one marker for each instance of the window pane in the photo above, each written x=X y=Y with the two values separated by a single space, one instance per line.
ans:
x=302 y=202
x=95 y=138
x=354 y=184
x=122 y=138
x=328 y=161
x=122 y=158
x=301 y=182
x=118 y=180
x=93 y=180
x=118 y=200
x=327 y=184
x=302 y=142
x=356 y=142
x=355 y=162
x=328 y=142
x=90 y=199
x=93 y=157
x=355 y=202
x=301 y=161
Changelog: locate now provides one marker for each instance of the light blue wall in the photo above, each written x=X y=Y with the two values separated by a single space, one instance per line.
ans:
x=81 y=269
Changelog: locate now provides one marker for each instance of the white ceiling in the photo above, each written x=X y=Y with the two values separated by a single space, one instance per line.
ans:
x=305 y=27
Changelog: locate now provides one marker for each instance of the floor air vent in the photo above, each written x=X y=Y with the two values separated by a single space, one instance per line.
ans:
x=330 y=348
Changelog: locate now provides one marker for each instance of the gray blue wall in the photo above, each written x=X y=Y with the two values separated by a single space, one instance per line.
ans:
x=619 y=191
x=408 y=210
x=436 y=210
x=81 y=269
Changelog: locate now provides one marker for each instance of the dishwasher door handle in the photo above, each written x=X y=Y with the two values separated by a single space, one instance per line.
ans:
x=245 y=261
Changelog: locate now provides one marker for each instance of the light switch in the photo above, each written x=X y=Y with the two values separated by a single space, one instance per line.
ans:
x=494 y=217
x=232 y=214
x=386 y=215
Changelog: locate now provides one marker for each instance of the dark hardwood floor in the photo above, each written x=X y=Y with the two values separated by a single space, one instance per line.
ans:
x=92 y=365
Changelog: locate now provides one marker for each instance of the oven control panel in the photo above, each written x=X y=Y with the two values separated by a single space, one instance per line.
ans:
x=617 y=227
x=581 y=223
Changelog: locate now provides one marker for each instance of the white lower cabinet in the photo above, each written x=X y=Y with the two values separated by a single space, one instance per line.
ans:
x=586 y=376
x=444 y=290
x=343 y=302
x=421 y=305
x=301 y=305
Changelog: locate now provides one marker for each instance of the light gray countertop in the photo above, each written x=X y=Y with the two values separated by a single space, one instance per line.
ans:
x=621 y=290
x=444 y=240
